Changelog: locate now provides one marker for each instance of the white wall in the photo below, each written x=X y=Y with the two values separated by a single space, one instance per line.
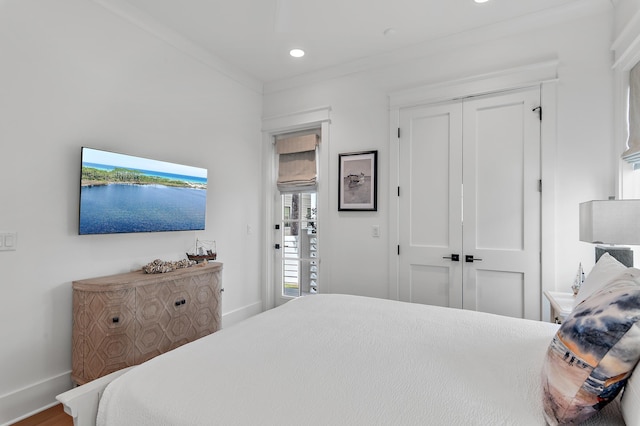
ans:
x=360 y=121
x=71 y=74
x=625 y=12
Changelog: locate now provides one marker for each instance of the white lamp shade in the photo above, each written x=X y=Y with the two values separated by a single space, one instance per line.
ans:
x=610 y=222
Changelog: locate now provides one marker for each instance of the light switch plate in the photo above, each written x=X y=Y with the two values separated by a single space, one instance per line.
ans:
x=8 y=241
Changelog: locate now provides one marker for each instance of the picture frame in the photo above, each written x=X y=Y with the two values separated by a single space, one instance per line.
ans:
x=358 y=181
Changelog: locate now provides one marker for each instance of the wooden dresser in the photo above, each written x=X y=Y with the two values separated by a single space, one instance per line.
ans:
x=126 y=319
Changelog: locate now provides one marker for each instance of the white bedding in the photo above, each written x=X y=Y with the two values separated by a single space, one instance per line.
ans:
x=346 y=360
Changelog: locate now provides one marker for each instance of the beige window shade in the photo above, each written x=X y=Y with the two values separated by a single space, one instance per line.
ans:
x=632 y=155
x=297 y=163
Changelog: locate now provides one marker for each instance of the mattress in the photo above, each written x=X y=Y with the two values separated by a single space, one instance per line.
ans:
x=346 y=360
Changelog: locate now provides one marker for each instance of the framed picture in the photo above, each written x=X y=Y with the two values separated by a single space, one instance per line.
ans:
x=358 y=181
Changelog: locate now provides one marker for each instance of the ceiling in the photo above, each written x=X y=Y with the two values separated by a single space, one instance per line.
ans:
x=256 y=35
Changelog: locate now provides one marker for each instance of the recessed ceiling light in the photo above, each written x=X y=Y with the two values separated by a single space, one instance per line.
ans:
x=296 y=53
x=481 y=1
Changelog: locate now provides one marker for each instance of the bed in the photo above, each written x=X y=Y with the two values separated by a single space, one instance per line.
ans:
x=340 y=360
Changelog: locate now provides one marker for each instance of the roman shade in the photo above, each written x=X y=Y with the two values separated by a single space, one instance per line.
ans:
x=297 y=171
x=632 y=154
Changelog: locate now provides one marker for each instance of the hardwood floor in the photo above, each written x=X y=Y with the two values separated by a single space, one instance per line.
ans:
x=54 y=416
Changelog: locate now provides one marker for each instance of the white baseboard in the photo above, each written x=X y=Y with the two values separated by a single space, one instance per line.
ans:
x=235 y=316
x=32 y=399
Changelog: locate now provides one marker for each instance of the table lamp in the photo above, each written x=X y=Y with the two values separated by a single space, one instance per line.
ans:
x=611 y=222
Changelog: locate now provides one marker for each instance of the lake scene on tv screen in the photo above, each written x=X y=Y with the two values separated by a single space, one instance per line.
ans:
x=122 y=193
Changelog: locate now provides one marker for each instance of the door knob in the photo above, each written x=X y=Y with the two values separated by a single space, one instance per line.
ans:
x=453 y=257
x=469 y=258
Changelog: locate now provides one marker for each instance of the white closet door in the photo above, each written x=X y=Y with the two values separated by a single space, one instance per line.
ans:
x=430 y=205
x=469 y=186
x=501 y=169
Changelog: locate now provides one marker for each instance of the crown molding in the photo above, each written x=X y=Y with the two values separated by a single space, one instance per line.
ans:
x=626 y=46
x=145 y=22
x=569 y=12
x=498 y=81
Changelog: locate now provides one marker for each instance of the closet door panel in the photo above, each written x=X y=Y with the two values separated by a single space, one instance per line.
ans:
x=429 y=285
x=501 y=169
x=507 y=287
x=499 y=151
x=430 y=202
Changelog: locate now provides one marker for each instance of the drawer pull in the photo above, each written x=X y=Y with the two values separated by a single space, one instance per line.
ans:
x=115 y=320
x=180 y=302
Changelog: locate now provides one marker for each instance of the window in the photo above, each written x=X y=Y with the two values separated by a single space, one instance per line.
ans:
x=299 y=244
x=297 y=180
x=314 y=121
x=632 y=154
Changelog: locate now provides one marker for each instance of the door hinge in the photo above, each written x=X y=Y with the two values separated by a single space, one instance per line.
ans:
x=398 y=249
x=398 y=132
x=539 y=109
x=540 y=185
x=398 y=191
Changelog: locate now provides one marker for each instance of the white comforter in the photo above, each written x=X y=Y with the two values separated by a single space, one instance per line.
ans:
x=345 y=360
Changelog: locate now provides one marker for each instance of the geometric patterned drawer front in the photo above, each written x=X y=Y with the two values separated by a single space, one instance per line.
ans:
x=142 y=317
x=107 y=333
x=206 y=307
x=161 y=318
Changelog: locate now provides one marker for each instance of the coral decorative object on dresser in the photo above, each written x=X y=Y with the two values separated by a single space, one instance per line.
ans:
x=126 y=319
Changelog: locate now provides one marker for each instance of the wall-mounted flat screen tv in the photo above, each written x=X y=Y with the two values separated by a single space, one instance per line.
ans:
x=121 y=193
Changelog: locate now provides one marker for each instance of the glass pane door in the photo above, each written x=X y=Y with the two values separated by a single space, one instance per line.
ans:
x=299 y=245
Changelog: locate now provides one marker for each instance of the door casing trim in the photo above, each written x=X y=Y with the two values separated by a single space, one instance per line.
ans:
x=272 y=126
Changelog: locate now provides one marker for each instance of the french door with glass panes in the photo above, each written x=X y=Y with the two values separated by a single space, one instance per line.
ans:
x=296 y=246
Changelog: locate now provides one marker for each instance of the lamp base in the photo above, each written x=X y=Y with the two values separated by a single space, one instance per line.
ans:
x=623 y=255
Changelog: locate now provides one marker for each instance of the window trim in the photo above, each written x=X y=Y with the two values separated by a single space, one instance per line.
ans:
x=626 y=49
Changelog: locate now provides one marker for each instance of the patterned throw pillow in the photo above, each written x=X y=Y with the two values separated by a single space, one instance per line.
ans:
x=594 y=352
